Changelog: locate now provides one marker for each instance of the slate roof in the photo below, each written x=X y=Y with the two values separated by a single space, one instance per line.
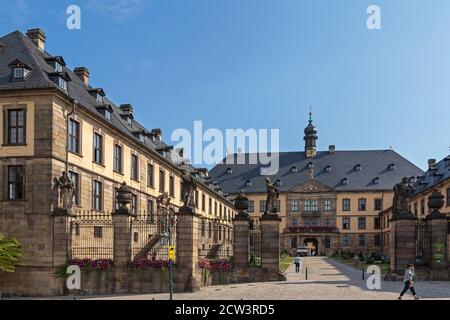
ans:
x=17 y=46
x=373 y=164
x=433 y=177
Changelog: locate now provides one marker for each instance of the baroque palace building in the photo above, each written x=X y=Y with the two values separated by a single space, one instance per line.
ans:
x=329 y=200
x=52 y=115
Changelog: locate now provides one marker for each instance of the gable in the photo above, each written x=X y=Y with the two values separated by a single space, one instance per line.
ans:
x=312 y=186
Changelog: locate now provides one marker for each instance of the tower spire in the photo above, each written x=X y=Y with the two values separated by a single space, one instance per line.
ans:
x=310 y=137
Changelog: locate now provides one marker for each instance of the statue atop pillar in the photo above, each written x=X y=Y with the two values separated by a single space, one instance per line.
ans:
x=402 y=192
x=272 y=197
x=189 y=186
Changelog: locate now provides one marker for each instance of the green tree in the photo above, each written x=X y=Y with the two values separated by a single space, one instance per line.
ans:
x=11 y=254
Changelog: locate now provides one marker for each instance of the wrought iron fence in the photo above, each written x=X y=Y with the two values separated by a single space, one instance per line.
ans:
x=151 y=236
x=215 y=240
x=92 y=235
x=422 y=244
x=254 y=252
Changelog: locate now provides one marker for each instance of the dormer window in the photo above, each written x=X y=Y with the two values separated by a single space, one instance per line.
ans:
x=229 y=170
x=108 y=115
x=328 y=168
x=294 y=169
x=19 y=70
x=141 y=138
x=310 y=165
x=376 y=180
x=248 y=183
x=62 y=84
x=358 y=167
x=61 y=79
x=392 y=167
x=344 y=181
x=106 y=110
x=98 y=94
x=278 y=182
x=412 y=180
x=58 y=67
x=57 y=63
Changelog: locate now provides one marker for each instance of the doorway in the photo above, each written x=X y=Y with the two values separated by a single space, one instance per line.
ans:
x=312 y=245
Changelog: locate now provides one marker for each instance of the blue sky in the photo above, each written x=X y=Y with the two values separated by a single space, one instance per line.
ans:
x=261 y=63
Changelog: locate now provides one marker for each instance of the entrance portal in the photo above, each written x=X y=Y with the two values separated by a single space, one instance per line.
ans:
x=312 y=245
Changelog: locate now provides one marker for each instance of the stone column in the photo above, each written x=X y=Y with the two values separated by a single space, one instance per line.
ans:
x=241 y=239
x=270 y=245
x=62 y=237
x=122 y=240
x=437 y=227
x=402 y=243
x=187 y=274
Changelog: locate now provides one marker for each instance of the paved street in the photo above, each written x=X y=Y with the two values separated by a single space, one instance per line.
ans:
x=327 y=279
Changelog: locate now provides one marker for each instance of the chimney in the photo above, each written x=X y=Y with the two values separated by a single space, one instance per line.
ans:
x=83 y=74
x=157 y=133
x=126 y=109
x=332 y=149
x=431 y=164
x=38 y=37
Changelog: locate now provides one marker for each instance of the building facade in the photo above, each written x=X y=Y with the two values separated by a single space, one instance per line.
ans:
x=329 y=200
x=53 y=120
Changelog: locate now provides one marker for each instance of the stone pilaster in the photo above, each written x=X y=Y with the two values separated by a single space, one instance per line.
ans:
x=438 y=229
x=187 y=274
x=241 y=240
x=402 y=243
x=270 y=245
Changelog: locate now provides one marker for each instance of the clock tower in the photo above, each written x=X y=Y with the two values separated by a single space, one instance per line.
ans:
x=310 y=139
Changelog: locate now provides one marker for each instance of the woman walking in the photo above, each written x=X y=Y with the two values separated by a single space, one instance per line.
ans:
x=409 y=284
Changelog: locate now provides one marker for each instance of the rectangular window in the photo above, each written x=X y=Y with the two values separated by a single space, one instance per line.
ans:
x=134 y=167
x=74 y=136
x=262 y=206
x=210 y=206
x=171 y=186
x=327 y=242
x=327 y=205
x=135 y=236
x=294 y=206
x=197 y=203
x=377 y=223
x=345 y=204
x=162 y=181
x=361 y=223
x=19 y=73
x=98 y=232
x=62 y=83
x=422 y=207
x=362 y=240
x=378 y=204
x=15 y=127
x=327 y=222
x=75 y=178
x=377 y=240
x=346 y=223
x=16 y=185
x=294 y=242
x=215 y=208
x=251 y=206
x=294 y=222
x=448 y=197
x=362 y=204
x=346 y=240
x=150 y=175
x=98 y=148
x=311 y=205
x=203 y=202
x=134 y=204
x=118 y=158
x=97 y=189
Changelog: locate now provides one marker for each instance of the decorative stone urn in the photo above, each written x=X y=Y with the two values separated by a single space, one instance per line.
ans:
x=124 y=198
x=241 y=205
x=436 y=202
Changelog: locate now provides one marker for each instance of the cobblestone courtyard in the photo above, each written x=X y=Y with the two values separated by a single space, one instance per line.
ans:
x=327 y=279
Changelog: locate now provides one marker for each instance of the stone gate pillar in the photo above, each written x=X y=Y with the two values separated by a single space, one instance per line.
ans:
x=437 y=227
x=62 y=237
x=402 y=242
x=187 y=274
x=270 y=245
x=241 y=232
x=122 y=239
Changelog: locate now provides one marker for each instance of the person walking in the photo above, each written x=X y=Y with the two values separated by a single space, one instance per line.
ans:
x=409 y=284
x=297 y=262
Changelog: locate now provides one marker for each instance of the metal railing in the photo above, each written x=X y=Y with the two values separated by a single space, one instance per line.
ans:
x=254 y=252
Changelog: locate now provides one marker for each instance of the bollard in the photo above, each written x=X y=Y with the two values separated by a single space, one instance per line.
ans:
x=306 y=274
x=363 y=273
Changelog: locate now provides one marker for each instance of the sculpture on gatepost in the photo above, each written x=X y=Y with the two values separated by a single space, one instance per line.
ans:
x=272 y=197
x=402 y=192
x=62 y=194
x=124 y=198
x=163 y=203
x=241 y=205
x=189 y=186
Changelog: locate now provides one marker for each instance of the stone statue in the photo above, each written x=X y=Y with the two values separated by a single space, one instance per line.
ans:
x=402 y=192
x=272 y=196
x=189 y=186
x=67 y=191
x=163 y=203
